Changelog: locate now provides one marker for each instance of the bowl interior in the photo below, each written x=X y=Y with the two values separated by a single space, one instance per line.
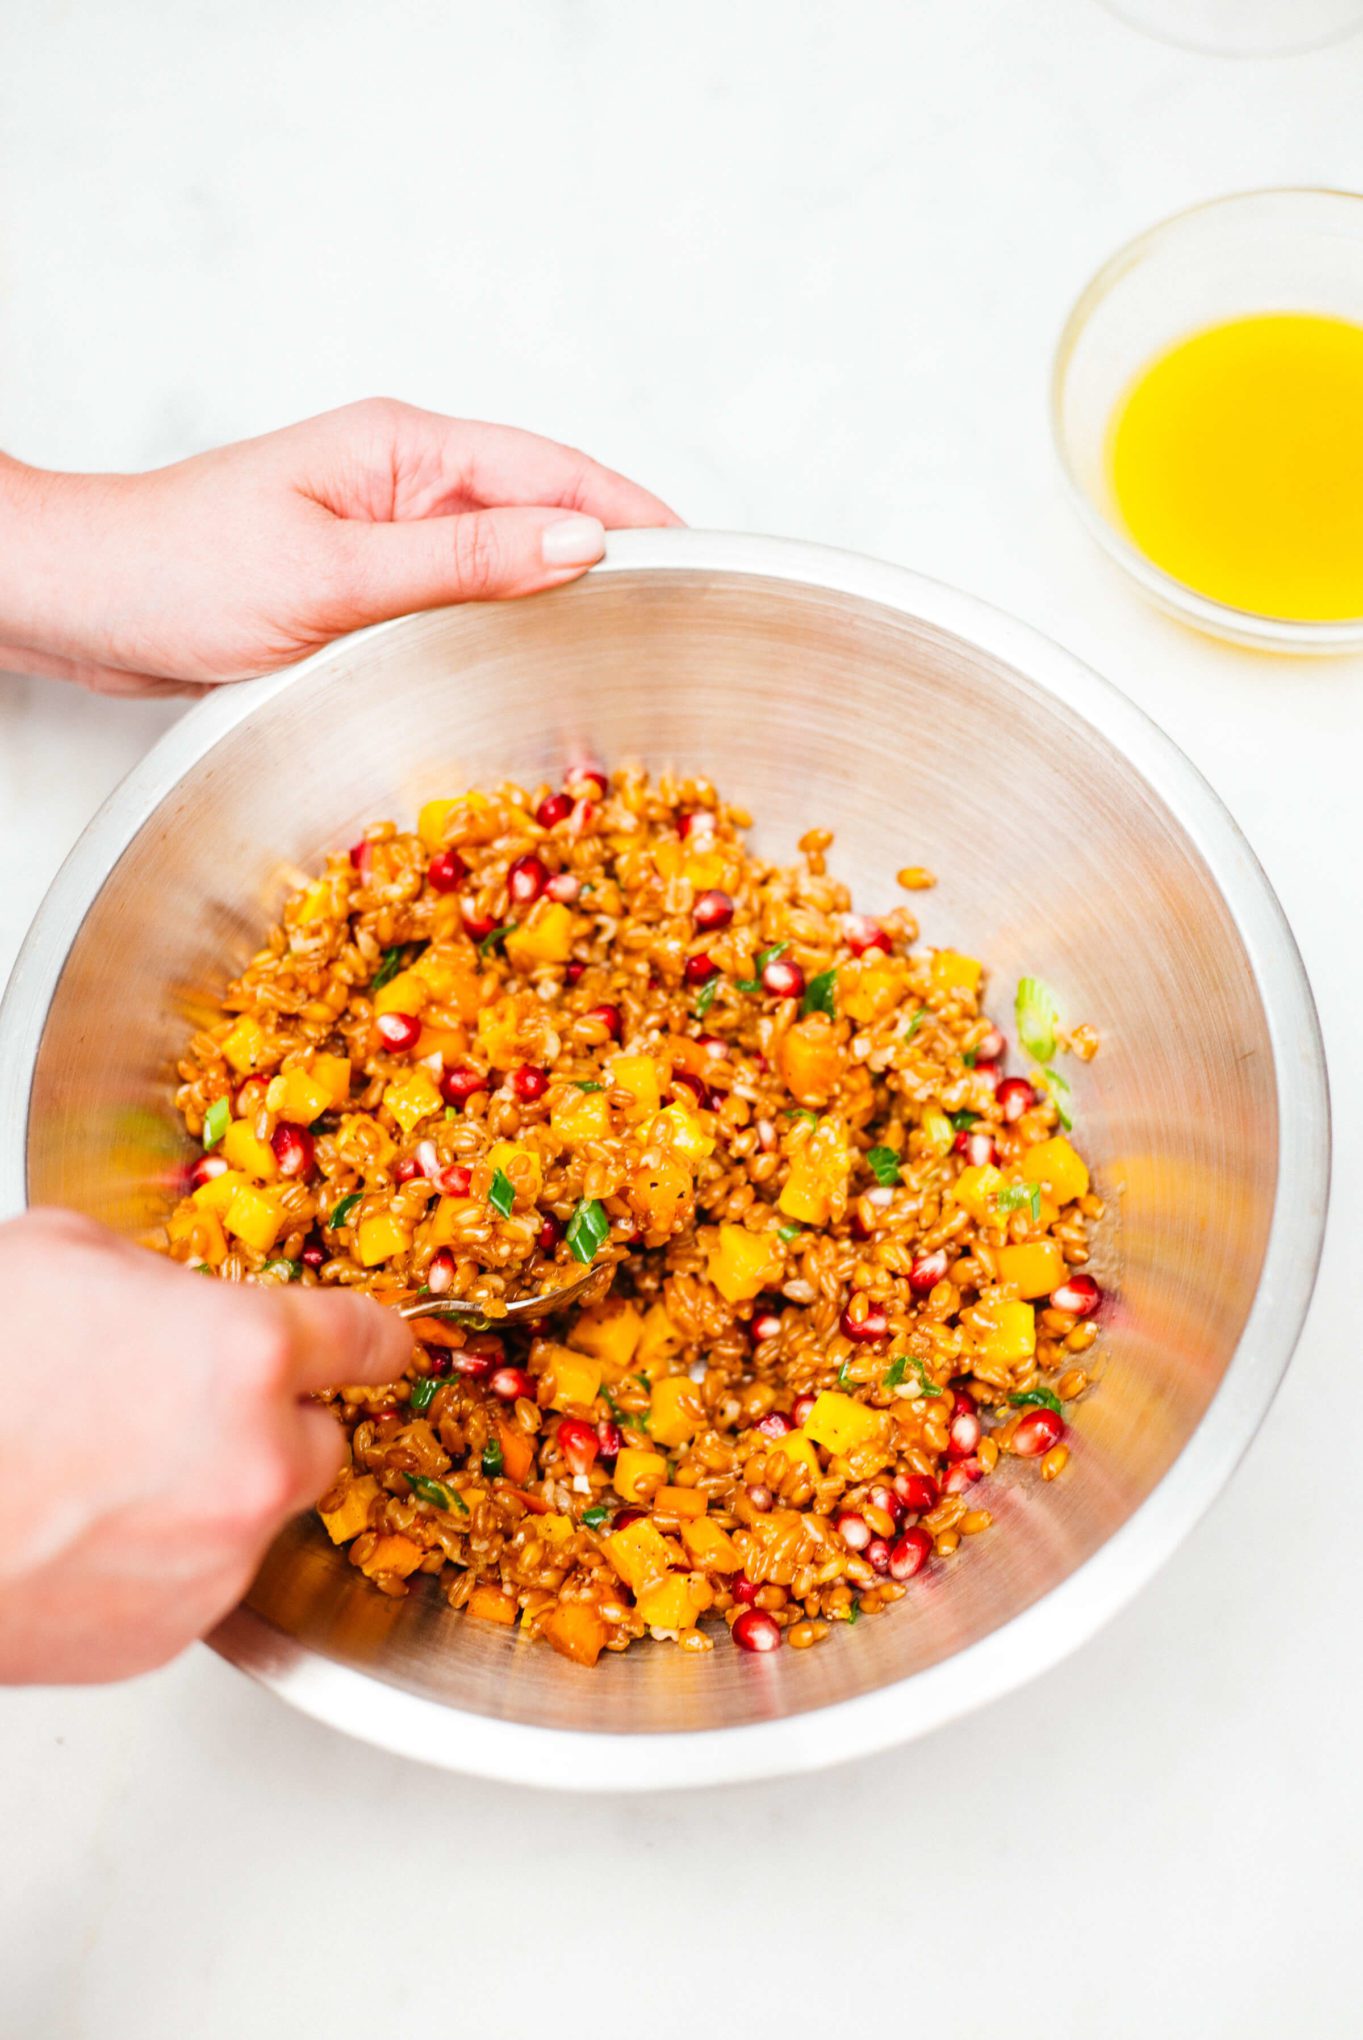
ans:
x=808 y=703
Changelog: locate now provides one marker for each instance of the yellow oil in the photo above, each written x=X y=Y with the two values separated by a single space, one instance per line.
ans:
x=1236 y=462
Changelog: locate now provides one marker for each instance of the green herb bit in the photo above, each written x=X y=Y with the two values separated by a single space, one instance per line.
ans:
x=450 y=1112
x=819 y=994
x=925 y=1380
x=594 y=1518
x=495 y=935
x=898 y=1370
x=884 y=1165
x=588 y=1230
x=970 y=1058
x=765 y=956
x=1059 y=1089
x=423 y=1393
x=217 y=1119
x=707 y=997
x=854 y=1613
x=844 y=1378
x=1038 y=1398
x=804 y=1112
x=787 y=1233
x=1014 y=1195
x=435 y=1492
x=1037 y=1017
x=344 y=1209
x=963 y=1121
x=919 y=1017
x=291 y=1270
x=609 y=1400
x=389 y=965
x=493 y=1461
x=591 y=1087
x=502 y=1193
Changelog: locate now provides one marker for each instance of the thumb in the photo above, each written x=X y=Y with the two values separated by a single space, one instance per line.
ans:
x=338 y=1338
x=482 y=556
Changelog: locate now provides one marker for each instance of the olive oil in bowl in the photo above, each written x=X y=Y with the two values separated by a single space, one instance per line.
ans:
x=1235 y=460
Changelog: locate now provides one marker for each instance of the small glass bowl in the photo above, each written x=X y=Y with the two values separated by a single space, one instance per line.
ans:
x=1258 y=251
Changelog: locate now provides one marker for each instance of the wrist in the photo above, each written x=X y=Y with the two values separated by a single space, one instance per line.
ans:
x=56 y=583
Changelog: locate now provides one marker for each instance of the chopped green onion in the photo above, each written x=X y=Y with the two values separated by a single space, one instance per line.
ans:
x=291 y=1269
x=435 y=1492
x=594 y=1518
x=970 y=1058
x=423 y=1393
x=844 y=1378
x=925 y=1380
x=609 y=1400
x=919 y=1017
x=818 y=996
x=591 y=1087
x=787 y=1233
x=1059 y=1089
x=1014 y=1195
x=451 y=1112
x=707 y=997
x=898 y=1370
x=344 y=1209
x=1037 y=1018
x=1042 y=1398
x=963 y=1121
x=765 y=956
x=588 y=1229
x=883 y=1163
x=801 y=1112
x=493 y=1462
x=854 y=1612
x=495 y=935
x=217 y=1119
x=389 y=966
x=502 y=1194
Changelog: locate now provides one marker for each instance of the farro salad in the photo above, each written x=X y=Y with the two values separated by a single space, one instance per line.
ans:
x=586 y=1026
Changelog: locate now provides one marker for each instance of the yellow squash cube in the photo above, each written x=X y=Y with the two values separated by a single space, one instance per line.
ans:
x=254 y=1218
x=575 y=1381
x=380 y=1238
x=658 y=1340
x=430 y=822
x=938 y=1131
x=405 y=993
x=1034 y=1269
x=580 y=1116
x=680 y=1130
x=709 y=1547
x=217 y=1193
x=639 y=1553
x=547 y=937
x=443 y=1227
x=351 y=1514
x=1009 y=1334
x=798 y=1446
x=245 y=1045
x=1055 y=1164
x=872 y=986
x=413 y=1098
x=520 y=1165
x=554 y=1529
x=638 y=1474
x=976 y=1191
x=254 y=1157
x=818 y=1175
x=676 y=1412
x=637 y=1074
x=204 y=1226
x=675 y=1602
x=840 y=1424
x=742 y=1264
x=953 y=972
x=610 y=1333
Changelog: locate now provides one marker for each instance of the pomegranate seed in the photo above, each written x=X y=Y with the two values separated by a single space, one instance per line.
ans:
x=927 y=1271
x=875 y=1324
x=783 y=980
x=440 y=1274
x=554 y=809
x=712 y=1045
x=461 y=1083
x=360 y=855
x=964 y=1430
x=529 y=1082
x=991 y=1049
x=961 y=1476
x=526 y=879
x=700 y=969
x=1015 y=1096
x=439 y=1362
x=1038 y=1431
x=293 y=1148
x=713 y=909
x=990 y=1070
x=510 y=1383
x=447 y=871
x=977 y=1148
x=572 y=972
x=754 y=1629
x=399 y=1031
x=564 y=887
x=743 y=1589
x=609 y=1439
x=205 y=1169
x=455 y=1180
x=886 y=1499
x=550 y=1233
x=1078 y=1294
x=427 y=1159
x=774 y=1425
x=853 y=1529
x=878 y=1554
x=609 y=1017
x=579 y=1443
x=766 y=1136
x=860 y=1230
x=917 y=1492
x=699 y=822
x=910 y=1554
x=765 y=1325
x=405 y=1170
x=862 y=934
x=476 y=1366
x=801 y=1408
x=314 y=1254
x=694 y=1085
x=583 y=776
x=476 y=925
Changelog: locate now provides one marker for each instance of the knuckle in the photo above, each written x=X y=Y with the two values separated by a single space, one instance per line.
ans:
x=264 y=1490
x=477 y=553
x=265 y=1363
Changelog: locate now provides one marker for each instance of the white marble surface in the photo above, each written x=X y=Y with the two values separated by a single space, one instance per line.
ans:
x=800 y=268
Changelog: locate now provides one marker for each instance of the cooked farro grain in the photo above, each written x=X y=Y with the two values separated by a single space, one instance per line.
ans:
x=588 y=1025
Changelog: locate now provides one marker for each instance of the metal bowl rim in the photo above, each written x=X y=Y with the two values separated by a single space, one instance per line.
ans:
x=1050 y=1628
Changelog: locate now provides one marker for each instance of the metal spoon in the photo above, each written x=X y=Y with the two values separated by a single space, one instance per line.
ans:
x=522 y=1310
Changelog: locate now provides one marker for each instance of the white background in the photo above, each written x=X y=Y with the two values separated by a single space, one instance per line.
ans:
x=800 y=269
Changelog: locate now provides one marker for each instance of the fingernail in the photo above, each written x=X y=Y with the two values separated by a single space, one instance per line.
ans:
x=573 y=542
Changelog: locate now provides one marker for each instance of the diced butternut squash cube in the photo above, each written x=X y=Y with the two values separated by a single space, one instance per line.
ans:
x=799 y=1446
x=351 y=1514
x=518 y=1451
x=639 y=1553
x=490 y=1604
x=520 y=1165
x=742 y=1263
x=976 y=1191
x=676 y=1412
x=638 y=1474
x=1034 y=1269
x=938 y=1131
x=707 y=869
x=819 y=1168
x=710 y=1547
x=381 y=1237
x=576 y=1631
x=660 y=1193
x=611 y=1333
x=1009 y=1334
x=254 y=1217
x=555 y=1529
x=217 y=1193
x=498 y=1032
x=547 y=937
x=202 y=1228
x=245 y=1045
x=413 y=1098
x=405 y=993
x=364 y=1143
x=637 y=1074
x=681 y=1130
x=658 y=1341
x=253 y=1157
x=1055 y=1164
x=574 y=1378
x=871 y=986
x=679 y=1502
x=443 y=1226
x=811 y=1059
x=449 y=1043
x=675 y=1602
x=302 y=1095
x=580 y=1116
x=392 y=1553
x=430 y=822
x=319 y=902
x=954 y=972
x=332 y=1072
x=840 y=1423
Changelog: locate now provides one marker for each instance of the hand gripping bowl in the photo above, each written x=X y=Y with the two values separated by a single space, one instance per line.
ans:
x=1071 y=840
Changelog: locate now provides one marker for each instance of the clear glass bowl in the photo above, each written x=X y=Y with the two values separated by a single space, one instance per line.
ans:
x=1242 y=28
x=1258 y=251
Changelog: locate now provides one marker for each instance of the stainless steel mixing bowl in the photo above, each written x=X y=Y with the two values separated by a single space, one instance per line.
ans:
x=1072 y=840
